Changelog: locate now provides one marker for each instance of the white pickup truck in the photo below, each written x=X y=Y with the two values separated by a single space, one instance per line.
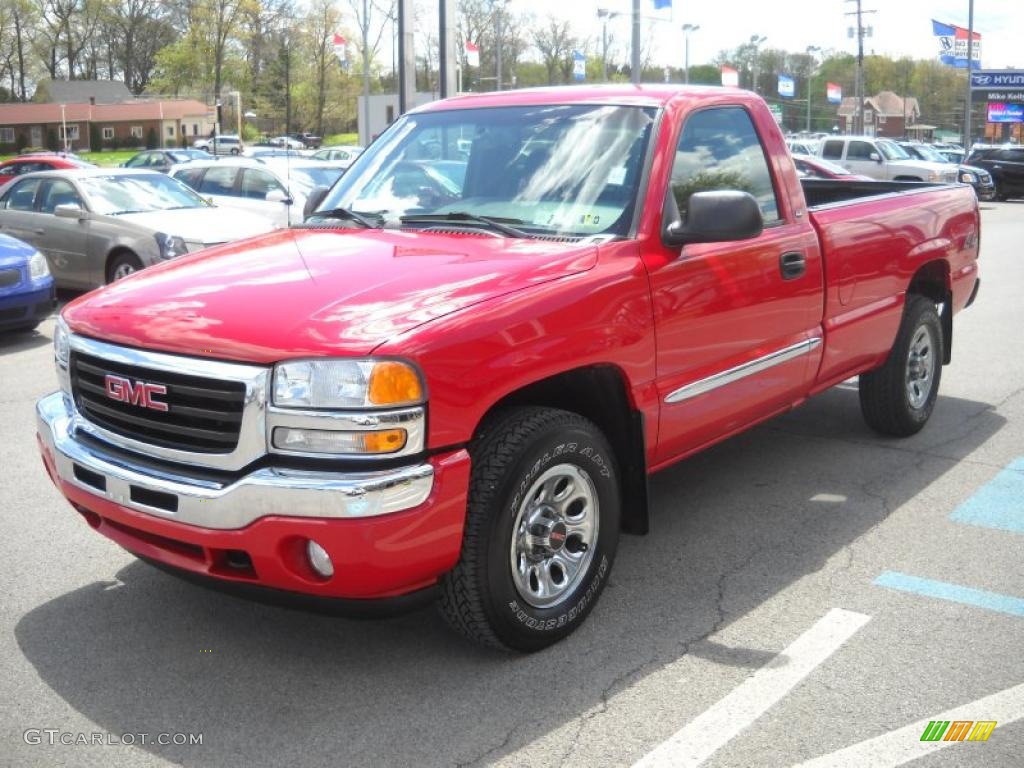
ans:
x=883 y=159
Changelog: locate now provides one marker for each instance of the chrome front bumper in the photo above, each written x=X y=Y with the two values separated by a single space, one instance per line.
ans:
x=261 y=493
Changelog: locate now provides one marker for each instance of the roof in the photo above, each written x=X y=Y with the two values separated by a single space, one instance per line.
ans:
x=884 y=103
x=647 y=95
x=36 y=114
x=80 y=91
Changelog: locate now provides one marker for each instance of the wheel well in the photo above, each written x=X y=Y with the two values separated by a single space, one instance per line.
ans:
x=114 y=253
x=599 y=393
x=932 y=282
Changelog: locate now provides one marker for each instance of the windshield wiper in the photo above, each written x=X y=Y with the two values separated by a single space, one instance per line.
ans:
x=345 y=213
x=464 y=217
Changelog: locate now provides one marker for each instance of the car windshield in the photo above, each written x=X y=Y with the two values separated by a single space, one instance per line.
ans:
x=137 y=193
x=307 y=178
x=555 y=169
x=930 y=153
x=893 y=151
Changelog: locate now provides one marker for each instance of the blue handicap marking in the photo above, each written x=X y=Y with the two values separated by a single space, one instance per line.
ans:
x=997 y=504
x=942 y=590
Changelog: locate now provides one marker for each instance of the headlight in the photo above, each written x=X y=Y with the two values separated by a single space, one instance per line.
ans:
x=170 y=247
x=346 y=384
x=37 y=267
x=968 y=178
x=61 y=343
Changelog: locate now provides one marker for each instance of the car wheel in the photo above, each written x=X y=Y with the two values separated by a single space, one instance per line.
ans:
x=234 y=150
x=898 y=398
x=122 y=265
x=542 y=526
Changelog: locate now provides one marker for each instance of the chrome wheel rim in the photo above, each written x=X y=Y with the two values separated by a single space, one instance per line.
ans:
x=123 y=270
x=920 y=367
x=554 y=535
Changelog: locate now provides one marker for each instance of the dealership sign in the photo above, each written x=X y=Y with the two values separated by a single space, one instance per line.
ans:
x=1005 y=113
x=992 y=79
x=787 y=87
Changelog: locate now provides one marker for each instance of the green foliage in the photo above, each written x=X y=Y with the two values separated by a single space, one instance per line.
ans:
x=706 y=181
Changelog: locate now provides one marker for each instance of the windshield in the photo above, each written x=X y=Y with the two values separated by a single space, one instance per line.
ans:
x=137 y=193
x=930 y=153
x=893 y=151
x=307 y=178
x=566 y=170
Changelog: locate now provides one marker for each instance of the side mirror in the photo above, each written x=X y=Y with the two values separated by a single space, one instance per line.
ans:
x=313 y=201
x=278 y=196
x=69 y=211
x=876 y=157
x=712 y=217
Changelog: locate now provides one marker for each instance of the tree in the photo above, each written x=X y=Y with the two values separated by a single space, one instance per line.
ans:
x=322 y=21
x=555 y=44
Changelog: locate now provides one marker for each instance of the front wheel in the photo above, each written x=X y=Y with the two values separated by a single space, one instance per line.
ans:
x=122 y=265
x=542 y=527
x=898 y=398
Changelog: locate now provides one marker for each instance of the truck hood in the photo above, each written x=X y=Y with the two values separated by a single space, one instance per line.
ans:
x=306 y=292
x=921 y=167
x=201 y=225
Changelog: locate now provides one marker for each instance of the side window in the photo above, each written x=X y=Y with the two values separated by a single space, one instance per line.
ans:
x=719 y=149
x=859 y=150
x=190 y=176
x=22 y=168
x=219 y=180
x=58 y=192
x=833 y=149
x=22 y=196
x=256 y=184
x=137 y=161
x=1011 y=155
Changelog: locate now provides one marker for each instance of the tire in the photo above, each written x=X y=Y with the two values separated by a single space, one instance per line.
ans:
x=898 y=398
x=524 y=587
x=234 y=150
x=122 y=265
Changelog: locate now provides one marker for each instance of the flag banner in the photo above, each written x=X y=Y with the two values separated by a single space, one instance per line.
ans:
x=952 y=42
x=579 y=66
x=472 y=54
x=730 y=77
x=340 y=46
x=834 y=92
x=787 y=87
x=659 y=4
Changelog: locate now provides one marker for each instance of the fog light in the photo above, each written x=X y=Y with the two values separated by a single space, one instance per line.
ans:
x=319 y=559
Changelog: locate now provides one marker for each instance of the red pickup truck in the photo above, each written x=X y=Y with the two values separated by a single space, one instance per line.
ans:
x=455 y=378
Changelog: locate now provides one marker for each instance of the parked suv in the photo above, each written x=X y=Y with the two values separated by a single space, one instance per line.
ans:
x=883 y=159
x=978 y=178
x=220 y=145
x=1006 y=164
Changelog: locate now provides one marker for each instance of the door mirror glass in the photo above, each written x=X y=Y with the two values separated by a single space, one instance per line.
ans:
x=69 y=211
x=712 y=217
x=278 y=196
x=876 y=157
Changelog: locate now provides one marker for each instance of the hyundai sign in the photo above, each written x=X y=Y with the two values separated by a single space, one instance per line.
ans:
x=1005 y=113
x=1002 y=79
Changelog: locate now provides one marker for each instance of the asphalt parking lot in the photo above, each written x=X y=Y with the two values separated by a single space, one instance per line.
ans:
x=809 y=591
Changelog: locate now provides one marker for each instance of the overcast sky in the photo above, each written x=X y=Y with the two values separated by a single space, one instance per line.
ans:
x=901 y=27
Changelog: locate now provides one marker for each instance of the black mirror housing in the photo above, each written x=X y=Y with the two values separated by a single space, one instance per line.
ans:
x=313 y=201
x=712 y=217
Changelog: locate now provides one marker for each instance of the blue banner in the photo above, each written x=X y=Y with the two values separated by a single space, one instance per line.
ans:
x=659 y=4
x=787 y=87
x=579 y=66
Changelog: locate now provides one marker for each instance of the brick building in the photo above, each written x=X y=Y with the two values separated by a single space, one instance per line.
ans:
x=885 y=114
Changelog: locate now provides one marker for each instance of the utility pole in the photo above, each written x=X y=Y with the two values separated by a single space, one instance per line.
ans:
x=858 y=121
x=605 y=16
x=970 y=66
x=366 y=73
x=756 y=40
x=811 y=50
x=687 y=29
x=634 y=64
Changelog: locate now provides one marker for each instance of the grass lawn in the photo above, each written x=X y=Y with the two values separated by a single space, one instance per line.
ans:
x=105 y=159
x=341 y=138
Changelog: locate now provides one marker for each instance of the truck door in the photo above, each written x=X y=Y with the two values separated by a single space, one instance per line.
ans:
x=863 y=157
x=737 y=323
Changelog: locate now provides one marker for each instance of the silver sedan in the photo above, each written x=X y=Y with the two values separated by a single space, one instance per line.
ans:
x=97 y=225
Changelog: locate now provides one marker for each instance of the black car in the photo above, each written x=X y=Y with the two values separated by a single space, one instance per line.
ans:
x=311 y=141
x=162 y=159
x=979 y=178
x=1006 y=164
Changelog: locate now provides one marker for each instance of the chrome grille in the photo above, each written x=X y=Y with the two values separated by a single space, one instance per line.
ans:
x=203 y=415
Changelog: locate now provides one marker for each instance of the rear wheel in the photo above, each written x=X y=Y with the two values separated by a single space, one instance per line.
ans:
x=541 y=530
x=898 y=398
x=121 y=265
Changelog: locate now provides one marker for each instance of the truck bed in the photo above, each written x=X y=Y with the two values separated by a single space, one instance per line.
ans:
x=827 y=192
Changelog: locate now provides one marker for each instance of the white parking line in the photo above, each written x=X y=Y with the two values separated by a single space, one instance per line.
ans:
x=715 y=727
x=904 y=744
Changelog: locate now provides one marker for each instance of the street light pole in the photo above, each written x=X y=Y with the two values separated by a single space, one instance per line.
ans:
x=634 y=59
x=756 y=40
x=687 y=29
x=811 y=50
x=605 y=16
x=970 y=66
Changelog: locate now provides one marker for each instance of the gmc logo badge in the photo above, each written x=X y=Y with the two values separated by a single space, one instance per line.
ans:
x=138 y=393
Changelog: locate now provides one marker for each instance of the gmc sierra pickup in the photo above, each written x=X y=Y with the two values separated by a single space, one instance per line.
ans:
x=455 y=378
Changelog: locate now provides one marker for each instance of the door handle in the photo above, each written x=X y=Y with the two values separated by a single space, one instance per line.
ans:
x=792 y=265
